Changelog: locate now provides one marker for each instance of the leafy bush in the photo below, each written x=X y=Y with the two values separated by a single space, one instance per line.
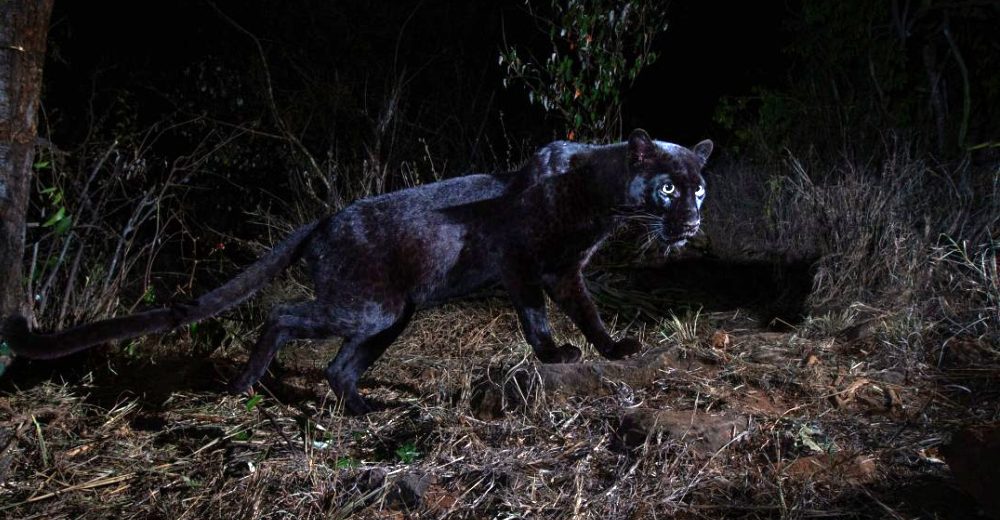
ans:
x=598 y=49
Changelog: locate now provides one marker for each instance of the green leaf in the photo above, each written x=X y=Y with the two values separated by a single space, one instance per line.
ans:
x=806 y=438
x=150 y=295
x=407 y=453
x=59 y=215
x=63 y=225
x=41 y=442
x=41 y=165
x=6 y=356
x=254 y=401
x=347 y=463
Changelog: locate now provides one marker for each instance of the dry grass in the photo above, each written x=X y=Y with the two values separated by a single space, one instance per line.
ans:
x=822 y=432
x=902 y=236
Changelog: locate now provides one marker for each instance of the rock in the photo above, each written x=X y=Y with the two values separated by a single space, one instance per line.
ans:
x=372 y=479
x=592 y=378
x=860 y=331
x=408 y=492
x=595 y=378
x=974 y=459
x=701 y=432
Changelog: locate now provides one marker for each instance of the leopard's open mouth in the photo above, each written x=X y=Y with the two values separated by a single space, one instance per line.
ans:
x=677 y=239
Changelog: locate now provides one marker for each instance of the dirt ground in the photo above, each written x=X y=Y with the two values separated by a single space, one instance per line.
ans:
x=718 y=418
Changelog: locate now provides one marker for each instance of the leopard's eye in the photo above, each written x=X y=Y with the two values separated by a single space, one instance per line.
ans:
x=700 y=192
x=667 y=189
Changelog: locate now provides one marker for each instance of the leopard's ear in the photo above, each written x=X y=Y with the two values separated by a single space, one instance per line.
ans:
x=640 y=147
x=703 y=150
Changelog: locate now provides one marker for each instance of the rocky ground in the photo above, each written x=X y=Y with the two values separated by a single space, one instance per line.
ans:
x=718 y=417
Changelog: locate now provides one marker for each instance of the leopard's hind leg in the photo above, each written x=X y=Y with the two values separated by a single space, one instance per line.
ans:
x=309 y=320
x=382 y=325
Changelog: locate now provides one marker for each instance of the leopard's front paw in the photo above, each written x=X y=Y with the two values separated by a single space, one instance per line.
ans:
x=622 y=348
x=240 y=385
x=564 y=354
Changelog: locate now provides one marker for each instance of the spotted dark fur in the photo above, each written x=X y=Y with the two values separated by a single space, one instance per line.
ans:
x=380 y=259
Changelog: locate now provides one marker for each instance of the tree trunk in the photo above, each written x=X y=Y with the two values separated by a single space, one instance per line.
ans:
x=24 y=25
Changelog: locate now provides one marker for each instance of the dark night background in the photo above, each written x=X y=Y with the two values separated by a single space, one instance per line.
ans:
x=121 y=66
x=331 y=56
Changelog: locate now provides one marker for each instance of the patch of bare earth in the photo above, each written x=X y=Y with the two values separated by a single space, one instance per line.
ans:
x=733 y=423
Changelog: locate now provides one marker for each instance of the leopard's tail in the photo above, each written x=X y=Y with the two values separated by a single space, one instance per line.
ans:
x=24 y=343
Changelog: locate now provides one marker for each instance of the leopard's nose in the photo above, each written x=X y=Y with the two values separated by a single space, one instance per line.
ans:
x=691 y=226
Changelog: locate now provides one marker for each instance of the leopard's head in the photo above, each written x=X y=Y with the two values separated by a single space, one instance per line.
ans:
x=666 y=185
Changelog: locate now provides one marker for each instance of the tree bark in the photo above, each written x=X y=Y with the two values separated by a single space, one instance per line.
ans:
x=24 y=25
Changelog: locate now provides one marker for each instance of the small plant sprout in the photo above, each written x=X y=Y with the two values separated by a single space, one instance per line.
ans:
x=254 y=401
x=149 y=296
x=347 y=463
x=407 y=453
